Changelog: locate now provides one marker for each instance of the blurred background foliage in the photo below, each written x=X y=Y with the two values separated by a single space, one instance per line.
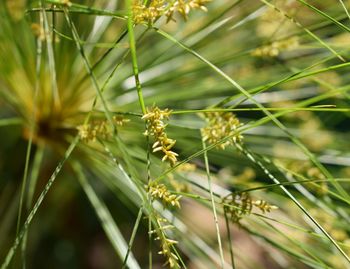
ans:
x=291 y=56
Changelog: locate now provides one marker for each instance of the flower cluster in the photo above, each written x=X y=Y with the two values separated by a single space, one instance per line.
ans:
x=91 y=131
x=221 y=125
x=147 y=14
x=38 y=31
x=274 y=49
x=99 y=129
x=167 y=244
x=120 y=120
x=66 y=3
x=160 y=191
x=156 y=127
x=264 y=206
x=172 y=259
x=238 y=205
x=156 y=8
x=184 y=7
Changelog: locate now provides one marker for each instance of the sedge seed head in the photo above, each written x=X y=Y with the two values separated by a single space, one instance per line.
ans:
x=219 y=126
x=156 y=126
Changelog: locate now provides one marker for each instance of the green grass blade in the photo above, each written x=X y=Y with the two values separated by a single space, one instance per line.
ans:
x=37 y=205
x=206 y=161
x=132 y=238
x=134 y=57
x=291 y=196
x=10 y=121
x=107 y=222
x=324 y=44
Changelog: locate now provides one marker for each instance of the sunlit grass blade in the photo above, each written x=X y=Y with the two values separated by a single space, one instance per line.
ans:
x=291 y=196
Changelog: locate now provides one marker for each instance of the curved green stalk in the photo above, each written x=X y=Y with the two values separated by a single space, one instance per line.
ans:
x=37 y=205
x=134 y=57
x=206 y=161
x=131 y=242
x=110 y=227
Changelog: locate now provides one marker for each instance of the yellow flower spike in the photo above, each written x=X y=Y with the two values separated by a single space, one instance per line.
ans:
x=160 y=191
x=166 y=243
x=239 y=205
x=120 y=120
x=97 y=129
x=157 y=8
x=84 y=132
x=66 y=3
x=264 y=206
x=276 y=47
x=219 y=126
x=156 y=128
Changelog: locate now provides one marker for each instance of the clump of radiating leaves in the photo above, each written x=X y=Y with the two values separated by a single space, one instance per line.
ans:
x=155 y=119
x=160 y=191
x=153 y=10
x=99 y=129
x=236 y=206
x=221 y=125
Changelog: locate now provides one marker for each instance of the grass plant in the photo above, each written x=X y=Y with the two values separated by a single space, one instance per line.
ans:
x=180 y=133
